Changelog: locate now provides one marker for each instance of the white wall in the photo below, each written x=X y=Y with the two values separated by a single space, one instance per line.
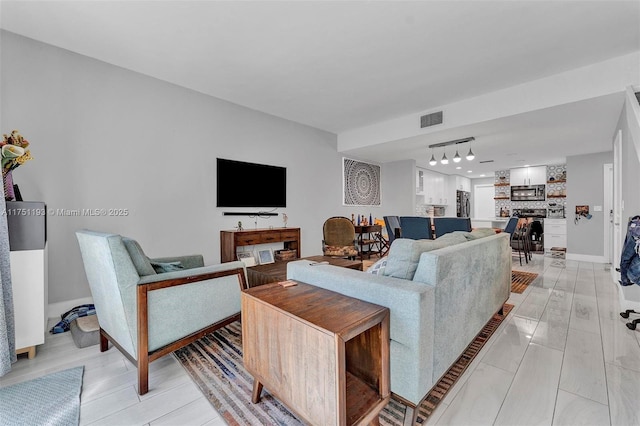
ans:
x=399 y=188
x=585 y=186
x=105 y=137
x=630 y=168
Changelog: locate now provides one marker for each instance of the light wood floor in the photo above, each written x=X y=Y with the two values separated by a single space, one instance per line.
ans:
x=562 y=357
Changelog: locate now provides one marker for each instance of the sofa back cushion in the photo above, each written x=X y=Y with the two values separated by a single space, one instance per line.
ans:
x=404 y=254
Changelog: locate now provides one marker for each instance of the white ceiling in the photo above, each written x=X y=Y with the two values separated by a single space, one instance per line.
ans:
x=342 y=65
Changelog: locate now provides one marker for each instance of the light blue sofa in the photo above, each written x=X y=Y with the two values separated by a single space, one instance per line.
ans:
x=442 y=301
x=147 y=315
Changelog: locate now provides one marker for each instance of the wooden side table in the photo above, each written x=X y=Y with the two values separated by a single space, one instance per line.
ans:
x=323 y=354
x=368 y=239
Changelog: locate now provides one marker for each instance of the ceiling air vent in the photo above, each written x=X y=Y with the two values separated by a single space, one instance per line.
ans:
x=637 y=97
x=431 y=119
x=486 y=161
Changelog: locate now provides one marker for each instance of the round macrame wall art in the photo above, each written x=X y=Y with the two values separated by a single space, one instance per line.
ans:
x=361 y=183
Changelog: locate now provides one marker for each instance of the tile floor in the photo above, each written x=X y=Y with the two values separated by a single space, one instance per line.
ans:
x=562 y=357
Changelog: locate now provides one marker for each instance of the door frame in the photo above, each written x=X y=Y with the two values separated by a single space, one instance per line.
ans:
x=608 y=212
x=618 y=205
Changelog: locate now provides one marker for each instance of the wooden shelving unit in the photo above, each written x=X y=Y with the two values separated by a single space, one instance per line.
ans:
x=231 y=240
x=501 y=198
x=556 y=196
x=502 y=184
x=556 y=181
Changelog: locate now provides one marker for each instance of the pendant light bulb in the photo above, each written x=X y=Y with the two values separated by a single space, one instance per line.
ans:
x=433 y=160
x=470 y=155
x=444 y=160
x=456 y=158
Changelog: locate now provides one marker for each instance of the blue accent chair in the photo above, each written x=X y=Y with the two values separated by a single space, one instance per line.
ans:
x=416 y=227
x=444 y=225
x=146 y=314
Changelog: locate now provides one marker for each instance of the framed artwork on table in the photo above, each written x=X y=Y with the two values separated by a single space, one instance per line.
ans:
x=247 y=258
x=265 y=256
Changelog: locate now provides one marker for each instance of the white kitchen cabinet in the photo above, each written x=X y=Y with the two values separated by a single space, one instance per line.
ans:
x=555 y=233
x=528 y=176
x=463 y=184
x=435 y=187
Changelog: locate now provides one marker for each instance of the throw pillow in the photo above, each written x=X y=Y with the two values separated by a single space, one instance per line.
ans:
x=139 y=259
x=404 y=254
x=162 y=267
x=378 y=267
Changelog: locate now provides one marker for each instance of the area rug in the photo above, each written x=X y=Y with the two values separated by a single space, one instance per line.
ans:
x=520 y=280
x=215 y=363
x=53 y=399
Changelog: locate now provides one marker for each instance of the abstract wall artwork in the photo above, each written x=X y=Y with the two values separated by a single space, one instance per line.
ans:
x=361 y=183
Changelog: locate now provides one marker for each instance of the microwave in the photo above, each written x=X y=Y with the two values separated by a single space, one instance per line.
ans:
x=528 y=193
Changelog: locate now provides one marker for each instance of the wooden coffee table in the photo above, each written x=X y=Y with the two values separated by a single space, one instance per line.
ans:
x=323 y=354
x=274 y=272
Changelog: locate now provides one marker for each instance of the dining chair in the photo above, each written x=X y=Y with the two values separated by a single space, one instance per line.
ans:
x=416 y=227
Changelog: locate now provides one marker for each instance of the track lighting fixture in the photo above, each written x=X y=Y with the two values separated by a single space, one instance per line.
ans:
x=456 y=158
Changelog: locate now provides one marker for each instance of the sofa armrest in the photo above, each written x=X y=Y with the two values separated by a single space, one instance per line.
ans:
x=188 y=262
x=186 y=276
x=175 y=310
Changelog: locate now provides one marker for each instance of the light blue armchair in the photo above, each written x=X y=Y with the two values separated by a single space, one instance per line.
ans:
x=147 y=315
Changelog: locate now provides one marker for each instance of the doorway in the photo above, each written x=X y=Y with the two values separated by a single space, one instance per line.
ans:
x=484 y=206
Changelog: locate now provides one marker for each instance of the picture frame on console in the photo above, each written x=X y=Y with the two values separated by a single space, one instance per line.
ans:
x=247 y=258
x=265 y=256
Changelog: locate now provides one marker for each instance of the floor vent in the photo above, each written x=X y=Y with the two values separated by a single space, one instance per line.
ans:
x=431 y=119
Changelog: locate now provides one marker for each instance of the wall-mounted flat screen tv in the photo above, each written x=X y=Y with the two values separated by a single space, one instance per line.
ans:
x=241 y=184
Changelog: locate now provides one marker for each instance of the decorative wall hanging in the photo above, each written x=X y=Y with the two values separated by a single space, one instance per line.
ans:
x=361 y=183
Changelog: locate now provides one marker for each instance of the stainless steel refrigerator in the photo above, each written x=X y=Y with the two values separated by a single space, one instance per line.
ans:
x=463 y=204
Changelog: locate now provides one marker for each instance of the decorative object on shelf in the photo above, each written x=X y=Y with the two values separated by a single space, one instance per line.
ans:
x=240 y=228
x=285 y=219
x=361 y=183
x=14 y=154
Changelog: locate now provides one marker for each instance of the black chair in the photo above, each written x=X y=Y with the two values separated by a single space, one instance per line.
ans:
x=444 y=225
x=521 y=241
x=416 y=227
x=392 y=223
x=512 y=229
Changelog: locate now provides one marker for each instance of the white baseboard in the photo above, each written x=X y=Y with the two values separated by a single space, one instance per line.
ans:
x=54 y=310
x=586 y=258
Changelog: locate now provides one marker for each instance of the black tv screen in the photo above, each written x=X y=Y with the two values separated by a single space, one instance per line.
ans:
x=241 y=184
